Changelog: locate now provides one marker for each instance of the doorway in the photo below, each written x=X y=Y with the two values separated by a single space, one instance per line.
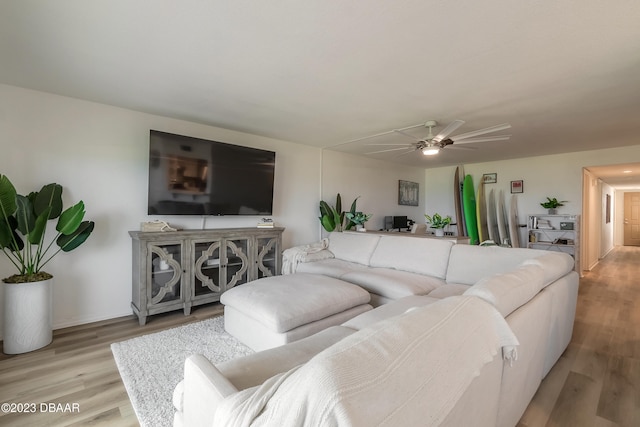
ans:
x=631 y=219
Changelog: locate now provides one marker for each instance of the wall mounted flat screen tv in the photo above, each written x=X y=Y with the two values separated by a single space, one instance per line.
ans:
x=192 y=176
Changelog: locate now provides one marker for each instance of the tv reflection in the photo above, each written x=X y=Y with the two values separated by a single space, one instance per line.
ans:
x=188 y=175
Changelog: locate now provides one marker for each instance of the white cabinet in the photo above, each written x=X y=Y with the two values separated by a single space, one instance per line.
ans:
x=555 y=233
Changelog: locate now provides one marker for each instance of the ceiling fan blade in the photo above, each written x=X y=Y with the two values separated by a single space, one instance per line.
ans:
x=484 y=139
x=406 y=144
x=390 y=149
x=367 y=137
x=413 y=126
x=475 y=133
x=379 y=134
x=446 y=131
x=406 y=134
x=405 y=153
x=460 y=148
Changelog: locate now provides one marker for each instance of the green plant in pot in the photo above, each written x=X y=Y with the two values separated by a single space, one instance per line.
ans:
x=358 y=219
x=438 y=222
x=552 y=204
x=333 y=217
x=24 y=241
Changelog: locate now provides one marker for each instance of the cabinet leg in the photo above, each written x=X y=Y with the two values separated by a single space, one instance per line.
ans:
x=187 y=309
x=142 y=320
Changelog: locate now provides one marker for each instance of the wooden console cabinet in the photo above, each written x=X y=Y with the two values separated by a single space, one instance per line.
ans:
x=179 y=269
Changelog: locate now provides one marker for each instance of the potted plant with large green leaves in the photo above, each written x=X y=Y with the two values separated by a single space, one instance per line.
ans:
x=333 y=217
x=25 y=242
x=358 y=219
x=438 y=223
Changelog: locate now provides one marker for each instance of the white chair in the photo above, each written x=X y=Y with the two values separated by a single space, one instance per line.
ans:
x=419 y=228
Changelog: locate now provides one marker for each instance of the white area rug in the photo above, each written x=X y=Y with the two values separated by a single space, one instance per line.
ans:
x=152 y=365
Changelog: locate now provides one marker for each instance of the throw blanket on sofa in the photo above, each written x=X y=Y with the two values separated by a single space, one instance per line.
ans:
x=314 y=252
x=407 y=370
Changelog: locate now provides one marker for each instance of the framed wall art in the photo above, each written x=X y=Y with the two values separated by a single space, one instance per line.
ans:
x=517 y=186
x=408 y=193
x=490 y=178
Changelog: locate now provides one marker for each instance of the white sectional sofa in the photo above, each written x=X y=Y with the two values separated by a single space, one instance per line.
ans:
x=422 y=286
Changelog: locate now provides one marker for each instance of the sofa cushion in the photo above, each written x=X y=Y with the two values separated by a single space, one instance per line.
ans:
x=394 y=308
x=468 y=264
x=254 y=369
x=282 y=303
x=553 y=264
x=353 y=246
x=448 y=290
x=391 y=283
x=508 y=291
x=418 y=255
x=330 y=267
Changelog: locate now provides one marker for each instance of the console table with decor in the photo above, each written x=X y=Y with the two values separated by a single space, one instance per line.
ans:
x=175 y=270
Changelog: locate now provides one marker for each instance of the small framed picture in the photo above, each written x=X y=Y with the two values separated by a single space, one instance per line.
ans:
x=490 y=178
x=517 y=186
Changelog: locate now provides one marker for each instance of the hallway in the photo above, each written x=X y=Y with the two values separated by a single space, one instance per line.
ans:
x=596 y=382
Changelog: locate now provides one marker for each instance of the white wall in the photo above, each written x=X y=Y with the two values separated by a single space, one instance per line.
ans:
x=375 y=181
x=99 y=154
x=592 y=216
x=607 y=231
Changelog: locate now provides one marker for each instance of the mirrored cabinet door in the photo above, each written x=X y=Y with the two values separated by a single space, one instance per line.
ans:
x=166 y=274
x=207 y=268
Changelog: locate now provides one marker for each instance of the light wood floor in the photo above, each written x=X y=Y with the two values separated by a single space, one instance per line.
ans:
x=595 y=383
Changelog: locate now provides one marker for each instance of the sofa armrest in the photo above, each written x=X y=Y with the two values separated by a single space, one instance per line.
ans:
x=204 y=388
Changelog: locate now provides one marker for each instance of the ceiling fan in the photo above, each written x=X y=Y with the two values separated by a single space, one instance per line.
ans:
x=432 y=144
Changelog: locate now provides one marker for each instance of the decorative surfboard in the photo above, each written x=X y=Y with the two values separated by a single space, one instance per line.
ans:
x=469 y=206
x=492 y=221
x=513 y=222
x=457 y=197
x=481 y=213
x=501 y=220
x=460 y=170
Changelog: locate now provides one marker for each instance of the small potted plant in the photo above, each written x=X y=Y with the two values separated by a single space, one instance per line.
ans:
x=438 y=223
x=552 y=205
x=358 y=219
x=25 y=242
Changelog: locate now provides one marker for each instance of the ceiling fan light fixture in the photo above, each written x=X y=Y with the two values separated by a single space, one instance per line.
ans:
x=430 y=151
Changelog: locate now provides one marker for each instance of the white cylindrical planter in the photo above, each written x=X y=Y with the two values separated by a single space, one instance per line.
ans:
x=439 y=232
x=27 y=316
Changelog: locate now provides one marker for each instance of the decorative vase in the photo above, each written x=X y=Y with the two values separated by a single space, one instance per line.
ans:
x=553 y=211
x=28 y=320
x=439 y=232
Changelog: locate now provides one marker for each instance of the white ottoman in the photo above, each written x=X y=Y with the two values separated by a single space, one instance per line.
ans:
x=273 y=311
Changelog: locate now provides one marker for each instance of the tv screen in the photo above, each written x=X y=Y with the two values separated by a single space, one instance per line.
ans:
x=192 y=176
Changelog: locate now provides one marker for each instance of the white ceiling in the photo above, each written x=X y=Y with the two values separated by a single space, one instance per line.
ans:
x=565 y=74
